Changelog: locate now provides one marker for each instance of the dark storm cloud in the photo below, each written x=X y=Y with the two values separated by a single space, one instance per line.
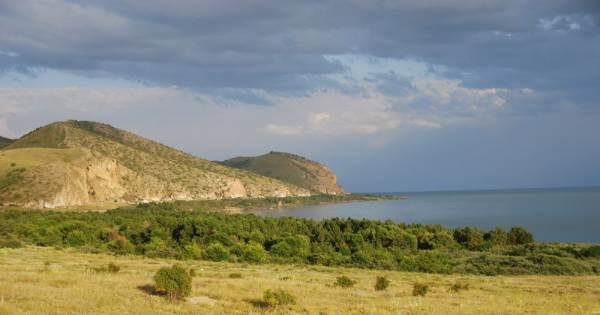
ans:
x=280 y=47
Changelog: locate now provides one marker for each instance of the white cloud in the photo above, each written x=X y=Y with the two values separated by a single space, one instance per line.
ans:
x=425 y=123
x=10 y=54
x=334 y=113
x=284 y=130
x=319 y=118
x=564 y=22
x=449 y=95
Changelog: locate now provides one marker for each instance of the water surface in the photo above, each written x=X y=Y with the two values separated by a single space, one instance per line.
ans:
x=556 y=214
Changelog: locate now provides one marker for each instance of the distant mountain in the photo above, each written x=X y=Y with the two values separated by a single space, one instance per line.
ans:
x=87 y=163
x=5 y=141
x=292 y=169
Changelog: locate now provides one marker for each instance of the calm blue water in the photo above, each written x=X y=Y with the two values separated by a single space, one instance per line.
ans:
x=557 y=214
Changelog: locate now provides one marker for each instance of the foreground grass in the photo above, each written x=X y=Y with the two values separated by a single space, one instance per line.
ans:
x=36 y=280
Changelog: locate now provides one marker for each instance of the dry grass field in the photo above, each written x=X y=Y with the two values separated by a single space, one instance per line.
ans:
x=37 y=280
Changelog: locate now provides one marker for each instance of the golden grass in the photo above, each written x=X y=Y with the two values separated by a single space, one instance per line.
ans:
x=48 y=281
x=31 y=157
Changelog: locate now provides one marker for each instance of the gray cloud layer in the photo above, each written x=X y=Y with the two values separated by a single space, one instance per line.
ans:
x=393 y=95
x=546 y=45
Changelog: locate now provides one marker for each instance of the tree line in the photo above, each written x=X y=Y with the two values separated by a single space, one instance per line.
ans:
x=163 y=230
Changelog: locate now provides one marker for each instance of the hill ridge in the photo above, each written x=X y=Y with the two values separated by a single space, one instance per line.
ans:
x=73 y=163
x=5 y=142
x=291 y=168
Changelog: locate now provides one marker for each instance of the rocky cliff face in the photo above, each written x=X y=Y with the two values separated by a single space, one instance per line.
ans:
x=83 y=163
x=291 y=168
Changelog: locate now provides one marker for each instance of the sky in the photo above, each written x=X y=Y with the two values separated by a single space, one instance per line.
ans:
x=391 y=95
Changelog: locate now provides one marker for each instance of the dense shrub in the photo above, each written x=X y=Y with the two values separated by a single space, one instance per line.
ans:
x=443 y=240
x=173 y=281
x=254 y=252
x=292 y=246
x=216 y=252
x=497 y=236
x=470 y=238
x=519 y=236
x=420 y=289
x=10 y=243
x=121 y=246
x=278 y=297
x=76 y=238
x=344 y=282
x=193 y=251
x=433 y=262
x=382 y=283
x=592 y=251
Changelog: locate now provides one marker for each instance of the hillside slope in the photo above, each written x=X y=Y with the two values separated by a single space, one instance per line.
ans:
x=290 y=168
x=5 y=141
x=77 y=163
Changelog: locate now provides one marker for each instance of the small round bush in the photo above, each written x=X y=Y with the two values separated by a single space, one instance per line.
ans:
x=344 y=282
x=457 y=287
x=278 y=297
x=113 y=268
x=382 y=283
x=235 y=275
x=420 y=289
x=174 y=282
x=254 y=253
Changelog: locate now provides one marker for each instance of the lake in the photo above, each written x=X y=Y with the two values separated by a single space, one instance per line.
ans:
x=552 y=215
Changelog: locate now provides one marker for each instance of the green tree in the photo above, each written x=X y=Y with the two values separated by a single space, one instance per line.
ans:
x=216 y=252
x=76 y=238
x=497 y=236
x=519 y=236
x=254 y=252
x=469 y=237
x=292 y=246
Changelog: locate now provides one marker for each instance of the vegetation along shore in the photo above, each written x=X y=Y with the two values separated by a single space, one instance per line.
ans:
x=166 y=231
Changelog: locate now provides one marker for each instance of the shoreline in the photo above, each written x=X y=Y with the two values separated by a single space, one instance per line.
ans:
x=230 y=205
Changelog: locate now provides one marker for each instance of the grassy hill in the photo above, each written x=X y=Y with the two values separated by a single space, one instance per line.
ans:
x=87 y=163
x=290 y=168
x=5 y=141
